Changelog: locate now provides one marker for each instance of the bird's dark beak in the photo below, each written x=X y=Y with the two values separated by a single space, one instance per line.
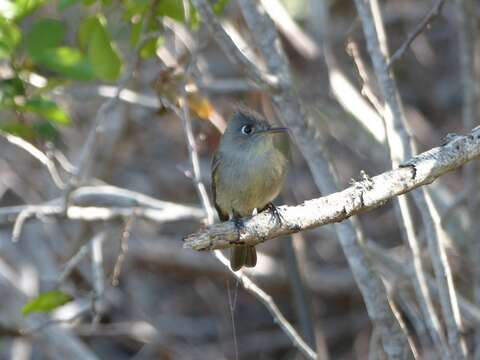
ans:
x=274 y=130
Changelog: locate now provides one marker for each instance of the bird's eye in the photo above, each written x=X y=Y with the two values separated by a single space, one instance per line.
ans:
x=246 y=129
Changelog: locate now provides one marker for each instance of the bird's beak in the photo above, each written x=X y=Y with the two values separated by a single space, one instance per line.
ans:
x=274 y=130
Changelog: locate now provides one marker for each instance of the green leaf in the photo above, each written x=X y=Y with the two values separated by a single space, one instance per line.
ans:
x=46 y=130
x=9 y=38
x=135 y=7
x=68 y=62
x=102 y=54
x=150 y=48
x=44 y=34
x=16 y=128
x=219 y=6
x=172 y=8
x=48 y=109
x=64 y=4
x=136 y=29
x=46 y=302
x=15 y=10
x=42 y=43
x=89 y=2
x=9 y=89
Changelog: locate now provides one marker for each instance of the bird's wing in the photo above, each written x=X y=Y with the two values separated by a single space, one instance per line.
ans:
x=215 y=162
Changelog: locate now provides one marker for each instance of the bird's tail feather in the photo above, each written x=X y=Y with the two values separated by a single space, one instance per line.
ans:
x=243 y=256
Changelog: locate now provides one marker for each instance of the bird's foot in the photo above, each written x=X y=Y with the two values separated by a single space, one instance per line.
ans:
x=276 y=216
x=238 y=222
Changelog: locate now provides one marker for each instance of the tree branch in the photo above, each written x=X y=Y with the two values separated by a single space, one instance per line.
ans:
x=421 y=26
x=362 y=196
x=233 y=52
x=101 y=203
x=401 y=147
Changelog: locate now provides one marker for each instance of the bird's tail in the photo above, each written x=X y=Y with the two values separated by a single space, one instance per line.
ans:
x=243 y=256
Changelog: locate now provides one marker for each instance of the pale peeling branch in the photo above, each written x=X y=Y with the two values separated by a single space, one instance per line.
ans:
x=234 y=54
x=101 y=203
x=364 y=195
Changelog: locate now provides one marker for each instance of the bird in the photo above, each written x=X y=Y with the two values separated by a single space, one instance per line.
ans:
x=248 y=171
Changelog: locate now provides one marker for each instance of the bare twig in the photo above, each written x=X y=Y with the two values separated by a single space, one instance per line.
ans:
x=19 y=222
x=90 y=213
x=97 y=274
x=300 y=40
x=467 y=36
x=362 y=196
x=299 y=293
x=202 y=192
x=123 y=250
x=103 y=202
x=272 y=308
x=235 y=54
x=401 y=147
x=37 y=328
x=422 y=25
x=232 y=302
x=400 y=269
x=37 y=154
x=73 y=263
x=342 y=88
x=367 y=91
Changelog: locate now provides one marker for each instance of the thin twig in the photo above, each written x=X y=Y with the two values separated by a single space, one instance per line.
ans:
x=422 y=25
x=102 y=202
x=401 y=269
x=235 y=54
x=232 y=302
x=401 y=147
x=367 y=91
x=272 y=308
x=123 y=250
x=297 y=37
x=37 y=154
x=36 y=329
x=343 y=89
x=73 y=263
x=19 y=222
x=97 y=274
x=467 y=37
x=299 y=293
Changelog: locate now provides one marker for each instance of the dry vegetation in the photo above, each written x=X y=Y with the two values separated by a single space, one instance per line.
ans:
x=109 y=232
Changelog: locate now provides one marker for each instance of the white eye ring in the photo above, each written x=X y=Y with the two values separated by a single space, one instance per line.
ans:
x=246 y=129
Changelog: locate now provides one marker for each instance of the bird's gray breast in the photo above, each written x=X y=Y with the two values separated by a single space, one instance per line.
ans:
x=245 y=183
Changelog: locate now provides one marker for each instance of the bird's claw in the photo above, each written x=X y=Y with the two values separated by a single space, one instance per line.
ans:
x=238 y=222
x=276 y=216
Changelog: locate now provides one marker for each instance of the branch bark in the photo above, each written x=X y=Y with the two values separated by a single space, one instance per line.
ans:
x=363 y=196
x=401 y=147
x=421 y=26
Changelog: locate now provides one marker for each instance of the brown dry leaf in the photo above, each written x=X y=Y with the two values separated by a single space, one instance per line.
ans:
x=200 y=105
